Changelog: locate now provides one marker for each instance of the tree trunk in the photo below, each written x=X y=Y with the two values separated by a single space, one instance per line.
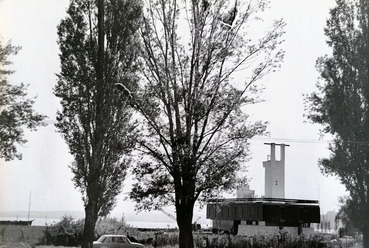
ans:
x=91 y=209
x=366 y=233
x=184 y=221
x=366 y=239
x=90 y=222
x=185 y=237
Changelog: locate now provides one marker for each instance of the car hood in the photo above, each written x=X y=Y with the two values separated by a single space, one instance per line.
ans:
x=134 y=243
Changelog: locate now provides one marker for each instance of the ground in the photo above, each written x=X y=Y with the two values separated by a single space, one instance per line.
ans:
x=24 y=245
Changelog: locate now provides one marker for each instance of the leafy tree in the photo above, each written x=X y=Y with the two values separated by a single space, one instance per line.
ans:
x=98 y=50
x=16 y=110
x=66 y=232
x=341 y=103
x=195 y=134
x=349 y=215
x=109 y=225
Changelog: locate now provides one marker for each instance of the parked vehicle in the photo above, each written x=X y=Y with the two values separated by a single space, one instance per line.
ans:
x=115 y=241
x=347 y=241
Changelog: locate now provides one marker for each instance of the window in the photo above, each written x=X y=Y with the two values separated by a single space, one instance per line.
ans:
x=103 y=239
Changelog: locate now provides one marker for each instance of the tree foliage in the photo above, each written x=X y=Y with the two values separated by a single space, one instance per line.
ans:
x=341 y=102
x=349 y=214
x=195 y=134
x=66 y=232
x=16 y=109
x=98 y=50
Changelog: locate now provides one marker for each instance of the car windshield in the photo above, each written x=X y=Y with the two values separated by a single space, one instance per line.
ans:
x=102 y=239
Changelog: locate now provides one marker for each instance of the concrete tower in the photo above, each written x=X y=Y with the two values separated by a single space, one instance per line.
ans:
x=274 y=172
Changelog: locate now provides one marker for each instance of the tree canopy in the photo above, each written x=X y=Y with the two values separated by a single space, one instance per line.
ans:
x=98 y=50
x=16 y=109
x=195 y=133
x=349 y=214
x=341 y=102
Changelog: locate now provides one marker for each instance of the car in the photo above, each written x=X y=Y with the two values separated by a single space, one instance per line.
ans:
x=347 y=241
x=115 y=241
x=334 y=243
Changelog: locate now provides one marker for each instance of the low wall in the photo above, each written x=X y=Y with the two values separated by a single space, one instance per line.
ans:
x=29 y=234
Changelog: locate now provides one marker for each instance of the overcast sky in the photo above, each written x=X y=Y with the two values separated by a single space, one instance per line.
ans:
x=44 y=169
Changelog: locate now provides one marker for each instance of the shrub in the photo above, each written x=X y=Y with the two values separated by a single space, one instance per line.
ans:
x=165 y=238
x=262 y=241
x=111 y=225
x=67 y=232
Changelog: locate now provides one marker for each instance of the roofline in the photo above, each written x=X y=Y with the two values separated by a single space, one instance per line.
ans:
x=263 y=200
x=113 y=235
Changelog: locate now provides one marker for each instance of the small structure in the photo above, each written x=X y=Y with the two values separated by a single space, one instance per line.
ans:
x=272 y=213
x=16 y=222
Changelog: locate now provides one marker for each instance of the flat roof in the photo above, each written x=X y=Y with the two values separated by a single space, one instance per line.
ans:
x=264 y=200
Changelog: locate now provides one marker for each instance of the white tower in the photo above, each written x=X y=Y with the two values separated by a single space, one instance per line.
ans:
x=274 y=172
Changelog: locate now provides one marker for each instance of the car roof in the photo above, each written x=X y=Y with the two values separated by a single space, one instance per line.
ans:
x=114 y=235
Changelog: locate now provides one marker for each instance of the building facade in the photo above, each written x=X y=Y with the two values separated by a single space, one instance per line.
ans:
x=272 y=213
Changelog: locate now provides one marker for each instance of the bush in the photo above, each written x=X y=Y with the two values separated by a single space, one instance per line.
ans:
x=261 y=241
x=111 y=225
x=67 y=232
x=165 y=238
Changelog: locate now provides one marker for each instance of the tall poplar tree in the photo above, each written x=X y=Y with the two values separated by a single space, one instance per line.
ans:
x=97 y=42
x=341 y=104
x=195 y=132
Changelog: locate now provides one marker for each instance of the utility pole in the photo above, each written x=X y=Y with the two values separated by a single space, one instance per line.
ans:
x=29 y=205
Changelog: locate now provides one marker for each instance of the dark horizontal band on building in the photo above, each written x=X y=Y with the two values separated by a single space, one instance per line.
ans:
x=264 y=199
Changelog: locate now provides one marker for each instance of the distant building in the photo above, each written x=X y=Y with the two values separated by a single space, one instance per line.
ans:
x=272 y=213
x=329 y=223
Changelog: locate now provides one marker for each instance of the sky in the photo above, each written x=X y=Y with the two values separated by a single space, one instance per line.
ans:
x=43 y=172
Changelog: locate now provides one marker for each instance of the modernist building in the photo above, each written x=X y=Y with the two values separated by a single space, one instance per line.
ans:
x=249 y=215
